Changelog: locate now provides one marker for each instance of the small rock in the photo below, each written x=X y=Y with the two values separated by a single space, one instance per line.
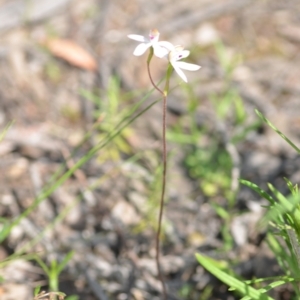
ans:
x=126 y=213
x=242 y=226
x=262 y=163
x=206 y=35
x=15 y=291
x=17 y=270
x=139 y=201
x=18 y=169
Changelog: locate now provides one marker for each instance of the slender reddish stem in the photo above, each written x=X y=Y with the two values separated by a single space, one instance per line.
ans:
x=152 y=82
x=161 y=206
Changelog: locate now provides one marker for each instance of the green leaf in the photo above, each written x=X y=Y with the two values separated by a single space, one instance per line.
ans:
x=37 y=290
x=72 y=297
x=285 y=207
x=65 y=261
x=231 y=281
x=222 y=212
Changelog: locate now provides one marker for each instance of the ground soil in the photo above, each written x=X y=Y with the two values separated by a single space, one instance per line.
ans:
x=106 y=211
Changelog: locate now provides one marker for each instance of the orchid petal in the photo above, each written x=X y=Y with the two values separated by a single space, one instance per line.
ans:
x=160 y=52
x=166 y=45
x=187 y=66
x=179 y=71
x=141 y=49
x=162 y=49
x=182 y=54
x=138 y=38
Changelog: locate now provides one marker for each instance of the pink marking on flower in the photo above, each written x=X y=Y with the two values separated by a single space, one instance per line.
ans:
x=175 y=55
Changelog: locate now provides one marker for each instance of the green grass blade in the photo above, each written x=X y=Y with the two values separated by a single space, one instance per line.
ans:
x=286 y=207
x=4 y=131
x=281 y=254
x=277 y=130
x=258 y=190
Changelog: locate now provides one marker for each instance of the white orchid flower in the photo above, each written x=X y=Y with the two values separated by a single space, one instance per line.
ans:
x=161 y=49
x=176 y=54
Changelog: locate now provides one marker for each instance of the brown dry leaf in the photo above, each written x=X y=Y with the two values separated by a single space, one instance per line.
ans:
x=72 y=53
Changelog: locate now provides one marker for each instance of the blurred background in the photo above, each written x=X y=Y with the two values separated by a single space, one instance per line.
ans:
x=68 y=77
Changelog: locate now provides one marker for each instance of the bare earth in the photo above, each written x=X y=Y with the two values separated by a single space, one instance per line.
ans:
x=107 y=210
